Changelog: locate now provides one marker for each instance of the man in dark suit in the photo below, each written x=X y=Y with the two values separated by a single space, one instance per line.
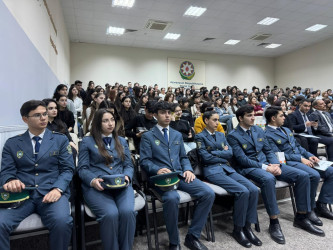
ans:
x=301 y=123
x=324 y=128
x=162 y=151
x=281 y=139
x=42 y=159
x=258 y=162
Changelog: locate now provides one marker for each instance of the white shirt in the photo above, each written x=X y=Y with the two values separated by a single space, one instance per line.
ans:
x=160 y=128
x=326 y=119
x=33 y=142
x=78 y=105
x=209 y=132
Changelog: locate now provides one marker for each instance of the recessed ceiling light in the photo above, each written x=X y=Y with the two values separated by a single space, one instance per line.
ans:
x=194 y=11
x=232 y=42
x=123 y=3
x=268 y=21
x=172 y=36
x=273 y=46
x=115 y=31
x=316 y=27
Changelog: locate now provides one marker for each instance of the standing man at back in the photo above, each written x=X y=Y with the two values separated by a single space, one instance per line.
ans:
x=42 y=159
x=257 y=162
x=162 y=151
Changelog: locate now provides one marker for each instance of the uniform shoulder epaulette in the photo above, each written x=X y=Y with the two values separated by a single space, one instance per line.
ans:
x=15 y=136
x=57 y=133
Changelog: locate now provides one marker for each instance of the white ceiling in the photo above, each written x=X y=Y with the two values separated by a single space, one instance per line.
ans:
x=87 y=20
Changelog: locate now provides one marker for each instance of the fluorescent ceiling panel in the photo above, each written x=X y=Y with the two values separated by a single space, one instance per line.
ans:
x=172 y=36
x=232 y=42
x=115 y=31
x=273 y=46
x=268 y=21
x=194 y=11
x=123 y=3
x=316 y=27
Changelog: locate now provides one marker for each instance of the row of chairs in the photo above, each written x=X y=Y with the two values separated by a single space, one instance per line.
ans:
x=146 y=202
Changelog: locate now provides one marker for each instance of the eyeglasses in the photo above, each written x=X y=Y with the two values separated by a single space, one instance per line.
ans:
x=38 y=115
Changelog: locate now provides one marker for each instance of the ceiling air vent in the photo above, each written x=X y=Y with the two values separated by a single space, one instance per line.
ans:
x=263 y=44
x=129 y=30
x=260 y=37
x=208 y=39
x=157 y=25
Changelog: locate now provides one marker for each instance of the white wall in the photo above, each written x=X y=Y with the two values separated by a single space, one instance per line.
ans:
x=310 y=67
x=33 y=18
x=29 y=68
x=110 y=64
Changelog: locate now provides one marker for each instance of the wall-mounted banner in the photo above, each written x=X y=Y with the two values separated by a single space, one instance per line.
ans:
x=186 y=72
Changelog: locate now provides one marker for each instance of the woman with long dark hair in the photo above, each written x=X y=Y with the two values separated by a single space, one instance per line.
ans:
x=126 y=111
x=120 y=127
x=223 y=114
x=91 y=110
x=65 y=115
x=119 y=97
x=258 y=111
x=184 y=127
x=102 y=154
x=55 y=123
x=61 y=89
x=140 y=106
x=233 y=106
x=73 y=95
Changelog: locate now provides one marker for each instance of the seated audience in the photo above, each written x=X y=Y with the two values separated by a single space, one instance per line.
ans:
x=223 y=114
x=126 y=111
x=141 y=124
x=323 y=126
x=199 y=124
x=184 y=127
x=65 y=115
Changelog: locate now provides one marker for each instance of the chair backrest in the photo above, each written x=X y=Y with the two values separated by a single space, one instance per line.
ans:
x=75 y=129
x=84 y=126
x=260 y=121
x=74 y=138
x=194 y=158
x=234 y=122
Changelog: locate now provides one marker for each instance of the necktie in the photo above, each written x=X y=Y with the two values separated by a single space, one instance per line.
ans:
x=107 y=141
x=165 y=133
x=308 y=129
x=281 y=131
x=214 y=136
x=328 y=120
x=37 y=145
x=250 y=135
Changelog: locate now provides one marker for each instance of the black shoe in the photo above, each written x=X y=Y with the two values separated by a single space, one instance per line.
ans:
x=240 y=237
x=251 y=236
x=322 y=210
x=314 y=219
x=276 y=233
x=174 y=247
x=308 y=226
x=193 y=243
